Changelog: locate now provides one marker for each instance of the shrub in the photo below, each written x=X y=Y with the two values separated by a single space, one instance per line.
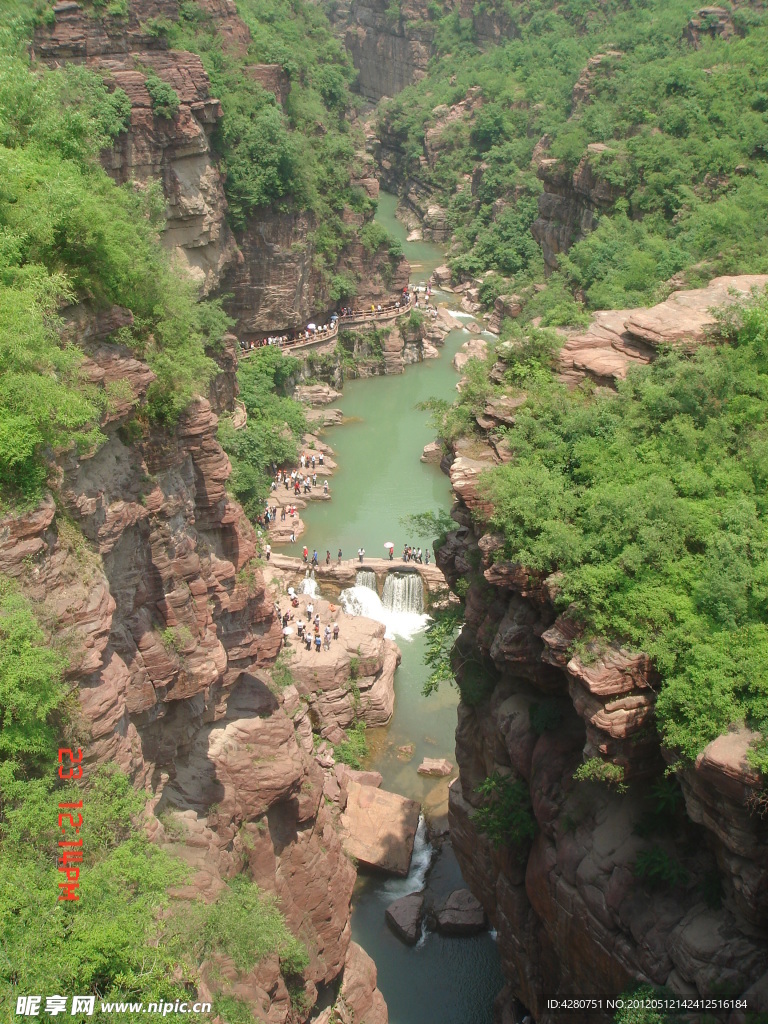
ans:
x=604 y=772
x=506 y=817
x=165 y=100
x=658 y=870
x=354 y=750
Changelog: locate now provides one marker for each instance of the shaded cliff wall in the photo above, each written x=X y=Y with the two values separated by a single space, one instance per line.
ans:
x=270 y=267
x=576 y=911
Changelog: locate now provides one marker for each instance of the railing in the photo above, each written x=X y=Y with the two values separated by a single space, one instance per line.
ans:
x=316 y=338
x=385 y=314
x=357 y=317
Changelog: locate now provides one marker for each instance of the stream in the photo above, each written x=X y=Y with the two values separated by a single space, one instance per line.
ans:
x=379 y=481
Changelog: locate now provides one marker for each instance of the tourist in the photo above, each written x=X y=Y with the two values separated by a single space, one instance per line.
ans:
x=391 y=554
x=320 y=458
x=268 y=551
x=335 y=631
x=360 y=554
x=286 y=619
x=293 y=536
x=313 y=462
x=317 y=621
x=314 y=557
x=426 y=557
x=305 y=553
x=310 y=610
x=318 y=642
x=338 y=557
x=325 y=487
x=327 y=557
x=282 y=514
x=327 y=638
x=314 y=479
x=300 y=629
x=308 y=640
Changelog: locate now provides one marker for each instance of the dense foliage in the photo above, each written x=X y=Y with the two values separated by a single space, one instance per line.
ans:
x=273 y=432
x=67 y=233
x=682 y=136
x=652 y=504
x=298 y=157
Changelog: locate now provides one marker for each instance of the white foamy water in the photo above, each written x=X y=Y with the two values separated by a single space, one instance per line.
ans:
x=366 y=578
x=399 y=623
x=393 y=888
x=309 y=586
x=403 y=592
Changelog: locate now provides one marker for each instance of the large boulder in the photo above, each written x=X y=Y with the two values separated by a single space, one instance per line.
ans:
x=404 y=917
x=438 y=766
x=379 y=828
x=461 y=914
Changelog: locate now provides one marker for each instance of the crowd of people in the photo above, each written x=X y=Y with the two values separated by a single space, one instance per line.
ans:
x=314 y=332
x=312 y=632
x=411 y=554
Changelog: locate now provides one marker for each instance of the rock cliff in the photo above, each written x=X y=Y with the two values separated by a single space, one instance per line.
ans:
x=174 y=151
x=664 y=883
x=389 y=45
x=270 y=266
x=142 y=569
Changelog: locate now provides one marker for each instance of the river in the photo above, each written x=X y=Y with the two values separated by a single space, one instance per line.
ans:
x=379 y=482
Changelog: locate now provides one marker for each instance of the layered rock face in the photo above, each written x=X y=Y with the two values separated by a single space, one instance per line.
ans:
x=389 y=50
x=142 y=571
x=570 y=202
x=175 y=151
x=269 y=268
x=617 y=338
x=659 y=885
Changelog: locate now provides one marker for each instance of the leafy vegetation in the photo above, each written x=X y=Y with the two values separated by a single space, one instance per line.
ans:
x=505 y=817
x=273 y=431
x=67 y=233
x=678 y=135
x=165 y=100
x=651 y=503
x=440 y=635
x=353 y=750
x=658 y=870
x=598 y=770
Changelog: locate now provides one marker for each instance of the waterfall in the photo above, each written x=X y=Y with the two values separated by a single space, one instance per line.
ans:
x=309 y=586
x=403 y=592
x=402 y=620
x=362 y=601
x=421 y=859
x=366 y=578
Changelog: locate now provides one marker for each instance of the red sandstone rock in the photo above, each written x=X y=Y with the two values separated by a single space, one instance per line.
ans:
x=461 y=914
x=379 y=828
x=404 y=917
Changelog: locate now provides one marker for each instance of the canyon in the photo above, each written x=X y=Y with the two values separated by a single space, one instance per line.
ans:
x=149 y=574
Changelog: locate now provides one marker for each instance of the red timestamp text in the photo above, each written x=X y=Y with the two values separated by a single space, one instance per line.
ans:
x=70 y=845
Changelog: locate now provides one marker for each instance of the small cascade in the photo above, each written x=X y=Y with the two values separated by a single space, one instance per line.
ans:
x=403 y=592
x=309 y=586
x=421 y=860
x=362 y=600
x=366 y=578
x=400 y=622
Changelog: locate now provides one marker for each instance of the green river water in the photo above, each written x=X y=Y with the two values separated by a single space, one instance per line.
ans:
x=381 y=480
